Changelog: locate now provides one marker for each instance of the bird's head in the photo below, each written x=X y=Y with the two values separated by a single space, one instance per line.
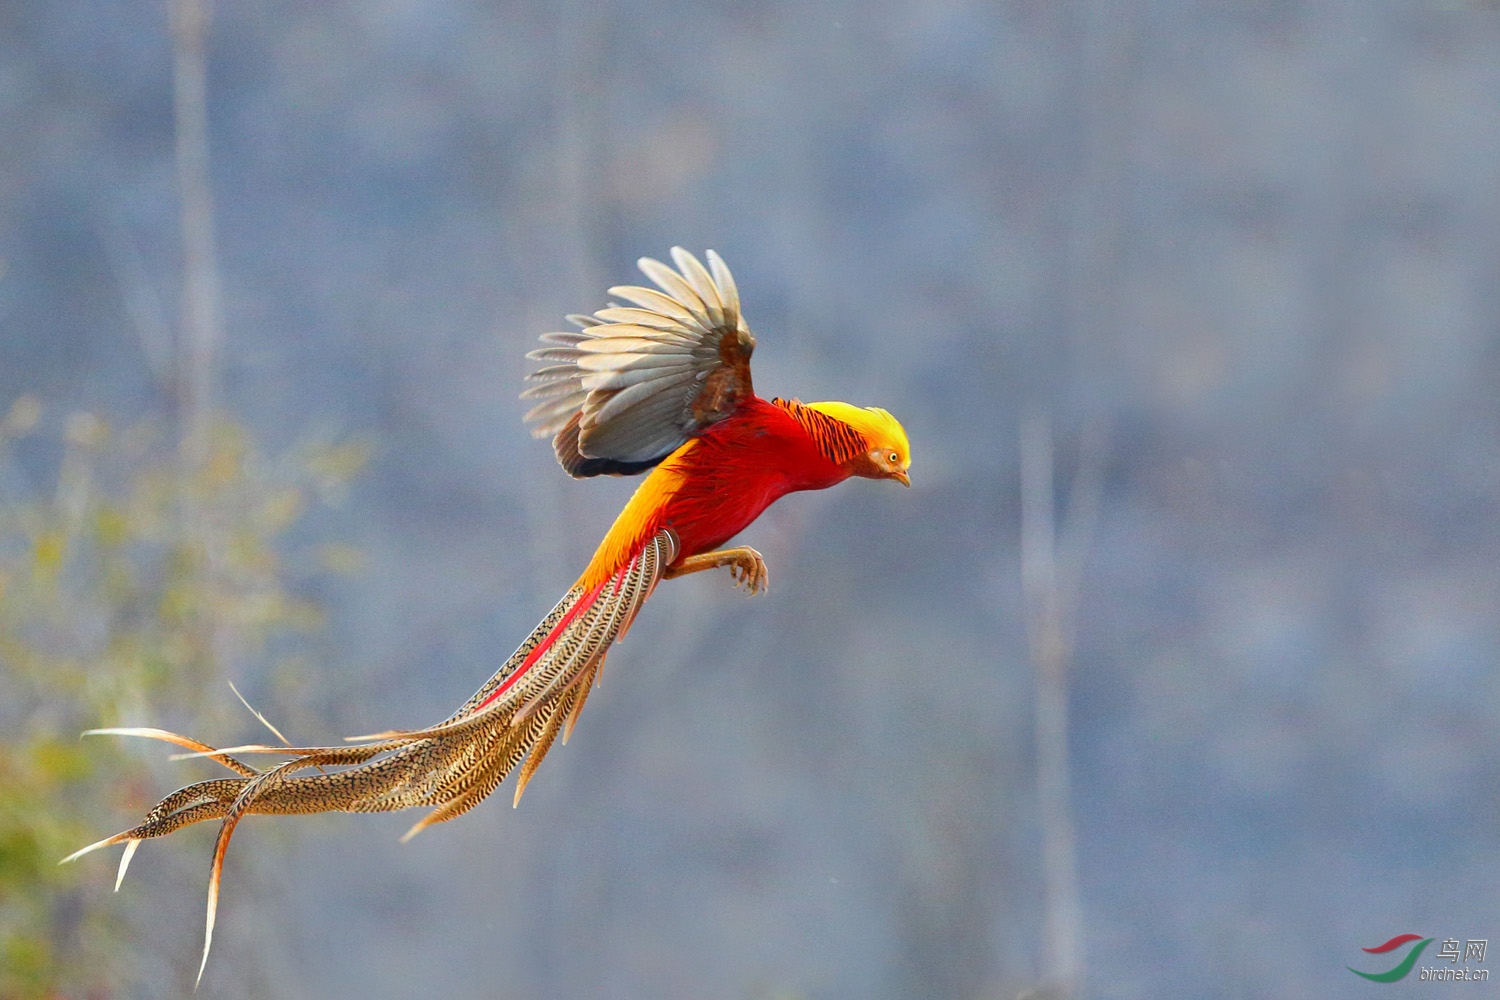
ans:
x=887 y=453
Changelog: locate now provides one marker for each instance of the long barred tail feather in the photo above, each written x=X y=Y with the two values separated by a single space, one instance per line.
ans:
x=513 y=719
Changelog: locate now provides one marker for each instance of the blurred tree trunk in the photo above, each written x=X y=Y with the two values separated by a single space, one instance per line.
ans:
x=1050 y=571
x=199 y=335
x=1092 y=233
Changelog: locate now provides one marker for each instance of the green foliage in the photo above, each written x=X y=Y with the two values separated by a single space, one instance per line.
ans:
x=126 y=587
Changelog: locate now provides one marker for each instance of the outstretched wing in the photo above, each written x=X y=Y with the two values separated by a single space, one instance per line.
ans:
x=635 y=382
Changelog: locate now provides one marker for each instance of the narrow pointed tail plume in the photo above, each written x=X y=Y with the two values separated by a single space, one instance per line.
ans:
x=513 y=719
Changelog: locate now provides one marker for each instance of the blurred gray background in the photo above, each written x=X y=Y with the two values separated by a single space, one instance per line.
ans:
x=1260 y=247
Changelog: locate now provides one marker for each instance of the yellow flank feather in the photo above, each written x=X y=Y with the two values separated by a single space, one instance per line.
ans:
x=881 y=430
x=634 y=525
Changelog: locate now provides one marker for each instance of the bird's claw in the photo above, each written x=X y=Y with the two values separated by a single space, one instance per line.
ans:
x=749 y=568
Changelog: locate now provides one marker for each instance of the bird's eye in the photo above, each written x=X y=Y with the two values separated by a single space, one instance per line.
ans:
x=895 y=459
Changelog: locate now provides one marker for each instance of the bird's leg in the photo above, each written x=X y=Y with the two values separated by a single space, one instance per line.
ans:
x=745 y=565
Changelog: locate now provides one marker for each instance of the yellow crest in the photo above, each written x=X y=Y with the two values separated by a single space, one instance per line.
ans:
x=883 y=431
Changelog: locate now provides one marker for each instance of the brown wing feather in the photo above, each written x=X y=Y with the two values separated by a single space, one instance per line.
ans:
x=635 y=382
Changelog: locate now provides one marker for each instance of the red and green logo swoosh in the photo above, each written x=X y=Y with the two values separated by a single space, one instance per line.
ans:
x=1405 y=965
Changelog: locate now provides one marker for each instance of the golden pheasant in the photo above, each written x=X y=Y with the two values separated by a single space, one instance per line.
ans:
x=663 y=385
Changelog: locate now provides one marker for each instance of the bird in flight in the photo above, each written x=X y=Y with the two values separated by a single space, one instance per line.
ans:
x=661 y=386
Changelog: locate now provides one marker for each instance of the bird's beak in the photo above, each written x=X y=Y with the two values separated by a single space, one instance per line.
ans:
x=901 y=477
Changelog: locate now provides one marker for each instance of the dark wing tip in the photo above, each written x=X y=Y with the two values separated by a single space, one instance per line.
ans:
x=579 y=466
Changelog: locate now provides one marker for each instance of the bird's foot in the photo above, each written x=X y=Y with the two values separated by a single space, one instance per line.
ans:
x=745 y=565
x=749 y=568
